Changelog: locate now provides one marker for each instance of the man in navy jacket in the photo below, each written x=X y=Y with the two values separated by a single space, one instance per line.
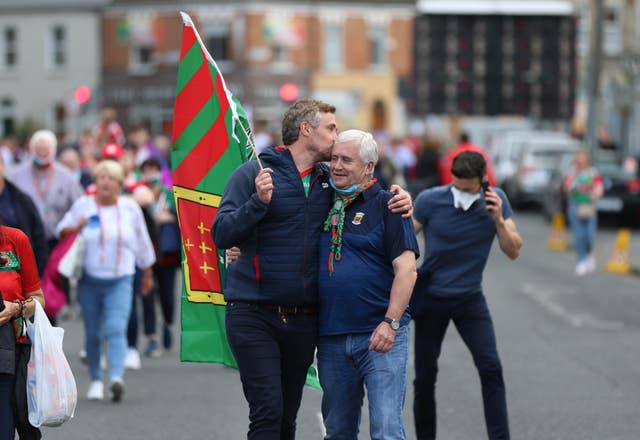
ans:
x=275 y=216
x=18 y=211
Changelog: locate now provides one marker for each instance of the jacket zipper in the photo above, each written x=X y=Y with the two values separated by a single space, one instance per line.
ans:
x=306 y=228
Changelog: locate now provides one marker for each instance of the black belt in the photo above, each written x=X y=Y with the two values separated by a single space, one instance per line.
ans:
x=307 y=309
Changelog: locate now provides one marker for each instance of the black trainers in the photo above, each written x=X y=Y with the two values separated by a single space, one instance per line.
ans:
x=117 y=390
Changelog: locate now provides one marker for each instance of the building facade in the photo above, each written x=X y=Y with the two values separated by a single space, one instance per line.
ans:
x=48 y=50
x=353 y=54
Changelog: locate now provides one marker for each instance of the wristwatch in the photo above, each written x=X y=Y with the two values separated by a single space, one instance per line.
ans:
x=394 y=323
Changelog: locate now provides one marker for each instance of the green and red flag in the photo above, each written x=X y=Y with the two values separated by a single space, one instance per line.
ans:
x=211 y=138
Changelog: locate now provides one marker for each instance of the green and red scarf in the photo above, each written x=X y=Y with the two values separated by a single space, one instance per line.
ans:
x=335 y=220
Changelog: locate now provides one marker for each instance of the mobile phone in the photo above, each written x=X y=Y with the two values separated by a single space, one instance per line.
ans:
x=1 y=302
x=485 y=188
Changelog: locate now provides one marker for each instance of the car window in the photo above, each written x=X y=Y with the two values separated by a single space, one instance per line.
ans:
x=549 y=159
x=614 y=170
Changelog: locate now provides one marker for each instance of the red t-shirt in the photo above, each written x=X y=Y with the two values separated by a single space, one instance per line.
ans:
x=18 y=270
x=447 y=162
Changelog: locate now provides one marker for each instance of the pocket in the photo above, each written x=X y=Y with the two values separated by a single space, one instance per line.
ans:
x=235 y=307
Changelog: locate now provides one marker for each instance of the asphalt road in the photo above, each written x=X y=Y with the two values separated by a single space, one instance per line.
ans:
x=569 y=346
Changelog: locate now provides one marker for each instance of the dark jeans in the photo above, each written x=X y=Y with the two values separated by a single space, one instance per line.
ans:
x=21 y=415
x=132 y=326
x=472 y=319
x=165 y=288
x=165 y=277
x=7 y=427
x=273 y=356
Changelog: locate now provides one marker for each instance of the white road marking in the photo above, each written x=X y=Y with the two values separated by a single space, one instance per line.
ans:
x=547 y=298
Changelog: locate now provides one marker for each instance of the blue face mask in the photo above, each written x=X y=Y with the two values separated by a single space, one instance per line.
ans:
x=41 y=162
x=344 y=191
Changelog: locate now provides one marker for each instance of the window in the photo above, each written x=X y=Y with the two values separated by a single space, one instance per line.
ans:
x=378 y=46
x=58 y=53
x=217 y=41
x=9 y=47
x=142 y=58
x=280 y=54
x=332 y=47
x=7 y=117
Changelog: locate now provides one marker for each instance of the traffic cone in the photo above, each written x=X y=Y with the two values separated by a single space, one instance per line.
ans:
x=558 y=241
x=619 y=262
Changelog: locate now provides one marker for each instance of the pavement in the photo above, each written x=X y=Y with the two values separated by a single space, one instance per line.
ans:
x=549 y=325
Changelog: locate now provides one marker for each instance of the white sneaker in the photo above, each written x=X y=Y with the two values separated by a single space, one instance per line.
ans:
x=590 y=264
x=132 y=359
x=581 y=268
x=96 y=390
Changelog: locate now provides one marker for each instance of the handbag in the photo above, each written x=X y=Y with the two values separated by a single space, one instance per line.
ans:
x=169 y=238
x=585 y=210
x=51 y=281
x=72 y=261
x=51 y=388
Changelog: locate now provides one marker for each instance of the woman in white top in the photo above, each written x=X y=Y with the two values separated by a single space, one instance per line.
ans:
x=116 y=241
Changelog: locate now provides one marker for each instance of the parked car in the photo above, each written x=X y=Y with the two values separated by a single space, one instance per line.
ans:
x=510 y=146
x=533 y=172
x=621 y=181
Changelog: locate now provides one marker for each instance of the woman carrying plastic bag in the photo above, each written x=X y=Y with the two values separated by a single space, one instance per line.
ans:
x=51 y=387
x=20 y=292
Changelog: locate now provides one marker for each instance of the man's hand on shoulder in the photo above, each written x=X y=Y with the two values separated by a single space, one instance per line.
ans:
x=400 y=202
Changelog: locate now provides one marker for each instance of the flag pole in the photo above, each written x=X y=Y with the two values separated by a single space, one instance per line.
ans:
x=253 y=146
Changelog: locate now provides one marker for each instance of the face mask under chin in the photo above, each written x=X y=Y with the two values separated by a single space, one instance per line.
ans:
x=41 y=163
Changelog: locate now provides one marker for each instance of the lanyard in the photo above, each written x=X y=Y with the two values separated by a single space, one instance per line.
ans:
x=43 y=192
x=103 y=237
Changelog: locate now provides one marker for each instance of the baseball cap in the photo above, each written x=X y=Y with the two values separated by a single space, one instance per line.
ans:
x=112 y=151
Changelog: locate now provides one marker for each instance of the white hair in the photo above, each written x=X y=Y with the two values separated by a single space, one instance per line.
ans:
x=368 y=145
x=48 y=137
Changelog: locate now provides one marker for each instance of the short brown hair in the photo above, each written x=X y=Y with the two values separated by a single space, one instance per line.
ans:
x=304 y=110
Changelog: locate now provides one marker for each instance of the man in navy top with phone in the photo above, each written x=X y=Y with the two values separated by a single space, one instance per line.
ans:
x=460 y=222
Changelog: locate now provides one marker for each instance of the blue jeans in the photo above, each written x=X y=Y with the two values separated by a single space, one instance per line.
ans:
x=106 y=302
x=345 y=367
x=584 y=232
x=471 y=317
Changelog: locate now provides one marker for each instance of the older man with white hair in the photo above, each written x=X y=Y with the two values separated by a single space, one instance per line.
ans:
x=366 y=277
x=51 y=186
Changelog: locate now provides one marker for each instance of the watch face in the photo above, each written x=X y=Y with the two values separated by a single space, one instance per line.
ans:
x=395 y=324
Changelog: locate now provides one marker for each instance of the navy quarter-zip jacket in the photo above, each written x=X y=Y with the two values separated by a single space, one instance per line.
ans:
x=278 y=241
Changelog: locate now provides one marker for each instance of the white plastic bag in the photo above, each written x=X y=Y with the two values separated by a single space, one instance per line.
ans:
x=51 y=387
x=71 y=263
